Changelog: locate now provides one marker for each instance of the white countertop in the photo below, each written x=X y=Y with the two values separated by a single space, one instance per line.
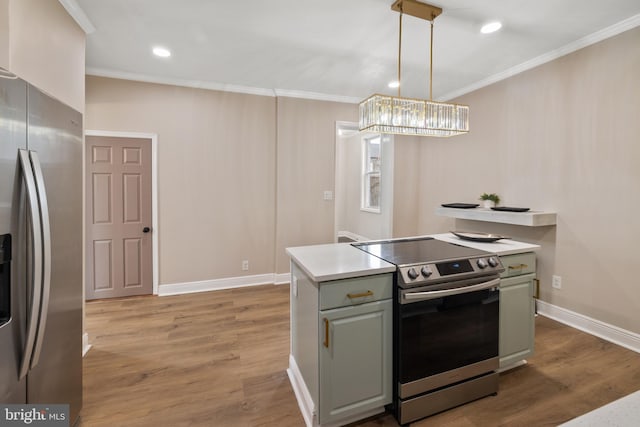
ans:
x=341 y=260
x=624 y=412
x=501 y=247
x=337 y=261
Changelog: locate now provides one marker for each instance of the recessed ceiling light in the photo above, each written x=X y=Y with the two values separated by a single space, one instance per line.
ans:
x=491 y=27
x=394 y=84
x=161 y=52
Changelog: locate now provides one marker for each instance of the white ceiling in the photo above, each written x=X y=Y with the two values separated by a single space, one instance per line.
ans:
x=337 y=49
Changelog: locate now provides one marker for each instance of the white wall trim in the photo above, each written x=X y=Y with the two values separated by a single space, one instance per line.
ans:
x=613 y=30
x=588 y=40
x=154 y=190
x=198 y=84
x=224 y=87
x=85 y=344
x=316 y=96
x=215 y=284
x=611 y=333
x=282 y=278
x=305 y=402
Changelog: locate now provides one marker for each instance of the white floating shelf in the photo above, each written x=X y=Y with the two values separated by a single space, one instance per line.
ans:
x=529 y=218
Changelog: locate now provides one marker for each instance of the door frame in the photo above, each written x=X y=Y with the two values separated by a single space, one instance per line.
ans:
x=154 y=190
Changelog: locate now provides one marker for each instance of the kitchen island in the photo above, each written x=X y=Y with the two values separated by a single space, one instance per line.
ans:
x=340 y=364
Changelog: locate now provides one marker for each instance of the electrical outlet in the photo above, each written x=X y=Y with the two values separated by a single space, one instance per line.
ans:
x=556 y=282
x=245 y=265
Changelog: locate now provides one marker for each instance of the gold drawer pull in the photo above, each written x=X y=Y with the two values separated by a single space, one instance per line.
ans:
x=518 y=267
x=326 y=332
x=361 y=295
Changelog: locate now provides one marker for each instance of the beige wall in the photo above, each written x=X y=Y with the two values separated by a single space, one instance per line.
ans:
x=216 y=173
x=306 y=168
x=219 y=163
x=406 y=195
x=562 y=137
x=43 y=45
x=4 y=34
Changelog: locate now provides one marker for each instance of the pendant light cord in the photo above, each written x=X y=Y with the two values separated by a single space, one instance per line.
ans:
x=431 y=63
x=399 y=54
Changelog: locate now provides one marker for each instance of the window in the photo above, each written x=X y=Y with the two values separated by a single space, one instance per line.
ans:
x=371 y=174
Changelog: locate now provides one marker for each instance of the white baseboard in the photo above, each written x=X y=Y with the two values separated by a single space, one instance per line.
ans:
x=603 y=330
x=85 y=344
x=305 y=402
x=215 y=284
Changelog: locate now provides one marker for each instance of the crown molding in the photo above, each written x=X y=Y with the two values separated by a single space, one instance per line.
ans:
x=316 y=96
x=198 y=84
x=593 y=38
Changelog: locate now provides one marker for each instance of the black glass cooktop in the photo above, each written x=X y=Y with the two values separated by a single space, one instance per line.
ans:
x=419 y=250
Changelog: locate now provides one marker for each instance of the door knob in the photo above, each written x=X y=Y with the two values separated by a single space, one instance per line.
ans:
x=146 y=230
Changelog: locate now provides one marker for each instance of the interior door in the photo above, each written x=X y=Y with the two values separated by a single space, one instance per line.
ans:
x=119 y=235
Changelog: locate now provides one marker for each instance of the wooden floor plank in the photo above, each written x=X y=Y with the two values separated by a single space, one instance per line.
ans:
x=220 y=358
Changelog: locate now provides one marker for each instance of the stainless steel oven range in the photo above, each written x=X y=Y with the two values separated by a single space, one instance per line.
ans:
x=446 y=317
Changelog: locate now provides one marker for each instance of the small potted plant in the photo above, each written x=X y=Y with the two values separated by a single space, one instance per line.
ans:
x=489 y=200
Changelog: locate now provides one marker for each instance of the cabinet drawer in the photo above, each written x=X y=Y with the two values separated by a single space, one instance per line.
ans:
x=359 y=290
x=518 y=264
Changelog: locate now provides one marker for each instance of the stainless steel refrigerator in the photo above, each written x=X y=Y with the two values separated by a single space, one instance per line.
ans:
x=40 y=248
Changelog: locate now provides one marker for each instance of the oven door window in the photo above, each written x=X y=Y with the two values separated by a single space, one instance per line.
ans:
x=439 y=335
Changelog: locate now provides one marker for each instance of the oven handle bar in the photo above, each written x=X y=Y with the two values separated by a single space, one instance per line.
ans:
x=449 y=292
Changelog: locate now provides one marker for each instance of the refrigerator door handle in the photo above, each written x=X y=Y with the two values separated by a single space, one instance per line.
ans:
x=46 y=256
x=36 y=278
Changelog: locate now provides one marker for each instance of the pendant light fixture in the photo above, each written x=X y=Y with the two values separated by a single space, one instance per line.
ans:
x=408 y=116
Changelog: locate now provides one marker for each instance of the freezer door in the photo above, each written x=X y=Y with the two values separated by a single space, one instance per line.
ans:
x=13 y=114
x=55 y=134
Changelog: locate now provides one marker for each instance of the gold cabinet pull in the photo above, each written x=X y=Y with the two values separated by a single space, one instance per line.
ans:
x=326 y=332
x=518 y=267
x=360 y=295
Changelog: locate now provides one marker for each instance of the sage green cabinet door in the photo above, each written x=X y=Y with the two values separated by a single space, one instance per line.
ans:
x=517 y=316
x=355 y=359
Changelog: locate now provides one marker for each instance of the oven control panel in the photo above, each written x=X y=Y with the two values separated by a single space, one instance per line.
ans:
x=436 y=272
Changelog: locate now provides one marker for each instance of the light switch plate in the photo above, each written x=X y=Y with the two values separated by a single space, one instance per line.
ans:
x=328 y=195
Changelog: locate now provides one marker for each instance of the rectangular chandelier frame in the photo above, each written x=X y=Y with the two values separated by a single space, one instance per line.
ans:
x=411 y=116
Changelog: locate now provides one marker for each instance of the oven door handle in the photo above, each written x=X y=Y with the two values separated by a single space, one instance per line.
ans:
x=423 y=296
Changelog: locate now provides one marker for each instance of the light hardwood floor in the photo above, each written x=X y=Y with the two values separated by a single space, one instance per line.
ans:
x=220 y=358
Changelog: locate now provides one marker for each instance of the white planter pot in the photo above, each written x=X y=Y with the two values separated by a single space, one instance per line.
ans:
x=488 y=204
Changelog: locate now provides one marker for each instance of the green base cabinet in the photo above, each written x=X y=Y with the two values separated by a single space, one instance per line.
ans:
x=517 y=308
x=355 y=360
x=341 y=340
